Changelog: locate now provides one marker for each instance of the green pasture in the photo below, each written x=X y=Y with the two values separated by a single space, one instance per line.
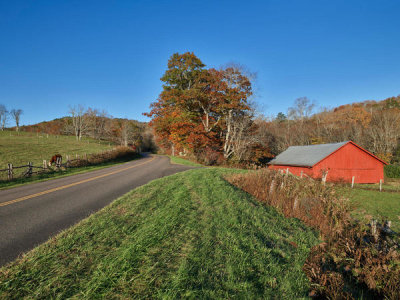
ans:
x=19 y=148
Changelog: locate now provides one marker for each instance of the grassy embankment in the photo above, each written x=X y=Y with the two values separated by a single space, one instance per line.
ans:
x=187 y=235
x=182 y=161
x=20 y=148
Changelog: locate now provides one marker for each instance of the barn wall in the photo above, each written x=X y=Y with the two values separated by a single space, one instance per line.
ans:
x=350 y=161
x=294 y=170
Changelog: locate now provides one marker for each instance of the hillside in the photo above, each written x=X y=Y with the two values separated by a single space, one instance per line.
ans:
x=189 y=235
x=99 y=126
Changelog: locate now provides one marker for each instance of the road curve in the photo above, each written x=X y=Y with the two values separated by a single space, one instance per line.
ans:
x=31 y=214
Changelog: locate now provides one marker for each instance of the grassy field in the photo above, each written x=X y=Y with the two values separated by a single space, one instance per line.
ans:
x=190 y=235
x=369 y=202
x=375 y=204
x=23 y=147
x=20 y=148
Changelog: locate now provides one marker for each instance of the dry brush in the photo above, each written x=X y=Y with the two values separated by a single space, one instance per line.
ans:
x=355 y=259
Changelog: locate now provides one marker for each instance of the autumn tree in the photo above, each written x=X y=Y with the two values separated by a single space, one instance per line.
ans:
x=235 y=109
x=384 y=133
x=201 y=111
x=174 y=114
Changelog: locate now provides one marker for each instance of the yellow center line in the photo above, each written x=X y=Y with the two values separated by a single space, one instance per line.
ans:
x=72 y=184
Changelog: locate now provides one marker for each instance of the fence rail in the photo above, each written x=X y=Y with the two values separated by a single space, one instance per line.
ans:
x=29 y=169
x=72 y=161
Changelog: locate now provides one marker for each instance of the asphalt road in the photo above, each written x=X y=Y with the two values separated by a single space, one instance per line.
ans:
x=31 y=214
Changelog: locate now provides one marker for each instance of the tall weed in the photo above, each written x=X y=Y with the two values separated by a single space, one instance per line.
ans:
x=119 y=153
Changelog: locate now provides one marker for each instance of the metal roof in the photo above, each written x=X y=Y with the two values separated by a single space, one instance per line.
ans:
x=305 y=156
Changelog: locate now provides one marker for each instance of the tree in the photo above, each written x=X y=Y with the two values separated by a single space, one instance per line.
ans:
x=235 y=108
x=130 y=133
x=174 y=114
x=16 y=114
x=384 y=133
x=3 y=116
x=281 y=117
x=201 y=111
x=80 y=121
x=302 y=109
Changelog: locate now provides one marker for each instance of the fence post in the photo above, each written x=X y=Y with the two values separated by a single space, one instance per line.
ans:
x=30 y=169
x=44 y=164
x=287 y=171
x=58 y=162
x=352 y=181
x=272 y=186
x=296 y=203
x=301 y=174
x=380 y=185
x=324 y=178
x=374 y=231
x=10 y=172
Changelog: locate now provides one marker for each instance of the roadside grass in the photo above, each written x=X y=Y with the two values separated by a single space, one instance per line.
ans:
x=182 y=161
x=374 y=204
x=189 y=235
x=19 y=148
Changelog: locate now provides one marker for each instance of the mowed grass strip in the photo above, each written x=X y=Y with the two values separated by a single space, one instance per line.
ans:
x=182 y=161
x=190 y=235
x=19 y=148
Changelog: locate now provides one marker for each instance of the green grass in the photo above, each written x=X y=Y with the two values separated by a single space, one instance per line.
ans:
x=375 y=204
x=190 y=235
x=182 y=161
x=19 y=148
x=391 y=184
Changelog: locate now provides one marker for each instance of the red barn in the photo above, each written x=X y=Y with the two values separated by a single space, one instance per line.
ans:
x=342 y=161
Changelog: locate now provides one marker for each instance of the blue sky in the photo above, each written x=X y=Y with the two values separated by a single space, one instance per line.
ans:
x=110 y=54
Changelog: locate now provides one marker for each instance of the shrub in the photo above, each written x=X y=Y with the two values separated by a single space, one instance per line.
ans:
x=354 y=259
x=119 y=153
x=209 y=157
x=392 y=171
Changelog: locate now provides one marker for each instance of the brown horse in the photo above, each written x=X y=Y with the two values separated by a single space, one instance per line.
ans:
x=54 y=159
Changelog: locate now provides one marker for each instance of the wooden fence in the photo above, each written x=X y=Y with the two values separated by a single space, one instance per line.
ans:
x=29 y=169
